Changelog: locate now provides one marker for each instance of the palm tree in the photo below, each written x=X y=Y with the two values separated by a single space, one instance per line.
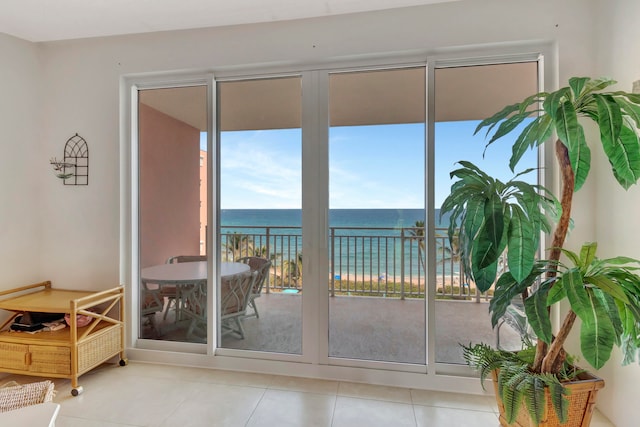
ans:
x=417 y=233
x=451 y=252
x=260 y=251
x=237 y=245
x=293 y=269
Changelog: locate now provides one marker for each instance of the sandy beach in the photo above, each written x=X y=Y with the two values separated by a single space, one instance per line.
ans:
x=448 y=284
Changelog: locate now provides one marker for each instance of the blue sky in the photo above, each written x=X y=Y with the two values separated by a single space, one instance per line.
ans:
x=378 y=166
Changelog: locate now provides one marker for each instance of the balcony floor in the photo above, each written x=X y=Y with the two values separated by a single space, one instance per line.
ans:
x=384 y=329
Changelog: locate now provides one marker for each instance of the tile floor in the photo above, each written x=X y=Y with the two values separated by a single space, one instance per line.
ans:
x=167 y=396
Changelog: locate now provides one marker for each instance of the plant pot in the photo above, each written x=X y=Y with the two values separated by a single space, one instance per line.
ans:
x=582 y=401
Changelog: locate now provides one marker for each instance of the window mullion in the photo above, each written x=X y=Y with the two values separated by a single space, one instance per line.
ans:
x=315 y=200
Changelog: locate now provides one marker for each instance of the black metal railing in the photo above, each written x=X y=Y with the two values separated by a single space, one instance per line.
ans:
x=367 y=261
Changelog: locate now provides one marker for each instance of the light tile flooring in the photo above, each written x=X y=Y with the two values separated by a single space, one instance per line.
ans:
x=157 y=395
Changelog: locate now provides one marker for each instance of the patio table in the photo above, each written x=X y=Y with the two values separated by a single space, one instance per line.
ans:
x=188 y=273
x=188 y=278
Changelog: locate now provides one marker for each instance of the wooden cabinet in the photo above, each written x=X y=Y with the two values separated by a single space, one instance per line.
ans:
x=69 y=352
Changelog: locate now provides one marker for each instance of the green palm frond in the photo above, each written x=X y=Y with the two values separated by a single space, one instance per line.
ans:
x=488 y=217
x=509 y=378
x=617 y=115
x=485 y=359
x=604 y=294
x=557 y=393
x=533 y=388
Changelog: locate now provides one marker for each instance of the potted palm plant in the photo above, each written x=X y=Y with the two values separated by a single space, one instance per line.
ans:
x=495 y=219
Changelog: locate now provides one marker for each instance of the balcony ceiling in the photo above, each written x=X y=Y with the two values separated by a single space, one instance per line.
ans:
x=462 y=93
x=48 y=20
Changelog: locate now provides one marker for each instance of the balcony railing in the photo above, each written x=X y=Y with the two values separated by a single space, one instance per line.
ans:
x=367 y=261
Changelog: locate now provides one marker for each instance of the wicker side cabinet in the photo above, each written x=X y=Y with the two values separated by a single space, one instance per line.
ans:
x=69 y=352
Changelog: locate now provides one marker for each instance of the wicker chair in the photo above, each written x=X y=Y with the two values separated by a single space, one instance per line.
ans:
x=259 y=266
x=515 y=317
x=171 y=292
x=235 y=292
x=151 y=302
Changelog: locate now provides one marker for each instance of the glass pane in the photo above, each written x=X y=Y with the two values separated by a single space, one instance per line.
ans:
x=377 y=211
x=463 y=97
x=173 y=201
x=260 y=213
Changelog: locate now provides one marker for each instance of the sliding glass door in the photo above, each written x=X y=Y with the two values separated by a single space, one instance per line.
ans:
x=260 y=212
x=350 y=162
x=172 y=127
x=377 y=276
x=463 y=97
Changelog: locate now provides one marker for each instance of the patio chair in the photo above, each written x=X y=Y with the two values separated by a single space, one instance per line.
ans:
x=517 y=320
x=186 y=258
x=170 y=292
x=235 y=292
x=259 y=266
x=151 y=302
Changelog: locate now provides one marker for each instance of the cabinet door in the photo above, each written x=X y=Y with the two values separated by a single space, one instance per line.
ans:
x=14 y=356
x=50 y=359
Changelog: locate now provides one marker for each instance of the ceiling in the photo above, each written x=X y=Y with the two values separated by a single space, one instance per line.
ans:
x=359 y=98
x=48 y=20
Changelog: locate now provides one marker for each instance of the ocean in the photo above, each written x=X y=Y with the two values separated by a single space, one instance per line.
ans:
x=371 y=242
x=388 y=218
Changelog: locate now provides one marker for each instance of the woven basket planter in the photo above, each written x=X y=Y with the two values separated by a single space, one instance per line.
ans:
x=582 y=402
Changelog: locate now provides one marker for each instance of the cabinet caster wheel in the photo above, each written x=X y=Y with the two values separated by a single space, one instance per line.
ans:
x=76 y=391
x=123 y=362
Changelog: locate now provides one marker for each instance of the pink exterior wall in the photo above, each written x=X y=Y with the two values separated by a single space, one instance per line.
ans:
x=169 y=187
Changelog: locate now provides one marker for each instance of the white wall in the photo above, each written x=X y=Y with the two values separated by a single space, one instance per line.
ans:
x=617 y=210
x=22 y=167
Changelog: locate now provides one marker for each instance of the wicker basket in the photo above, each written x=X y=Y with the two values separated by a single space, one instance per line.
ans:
x=15 y=396
x=582 y=402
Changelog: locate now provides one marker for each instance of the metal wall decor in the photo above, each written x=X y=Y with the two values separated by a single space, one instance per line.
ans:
x=74 y=168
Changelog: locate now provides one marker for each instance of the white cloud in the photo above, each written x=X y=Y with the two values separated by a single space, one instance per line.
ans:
x=258 y=175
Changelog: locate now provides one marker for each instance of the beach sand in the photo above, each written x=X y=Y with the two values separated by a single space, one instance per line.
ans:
x=447 y=284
